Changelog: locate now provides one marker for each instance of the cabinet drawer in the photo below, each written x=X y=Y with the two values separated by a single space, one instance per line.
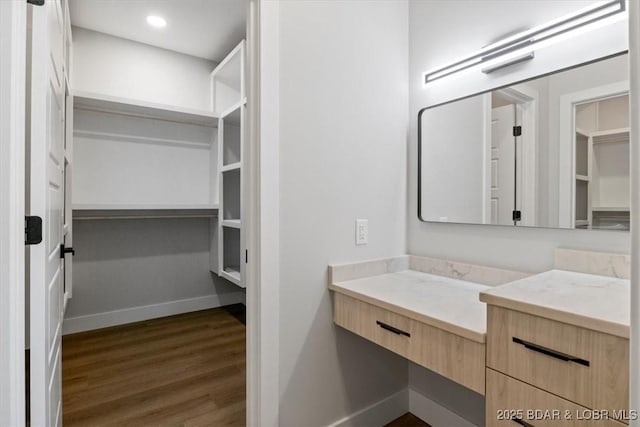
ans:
x=508 y=398
x=450 y=355
x=581 y=365
x=381 y=326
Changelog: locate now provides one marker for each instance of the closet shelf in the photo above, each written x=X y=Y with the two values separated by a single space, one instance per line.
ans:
x=232 y=223
x=613 y=135
x=611 y=209
x=231 y=167
x=232 y=274
x=96 y=211
x=137 y=108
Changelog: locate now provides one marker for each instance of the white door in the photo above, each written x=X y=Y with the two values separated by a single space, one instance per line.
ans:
x=68 y=210
x=46 y=200
x=503 y=164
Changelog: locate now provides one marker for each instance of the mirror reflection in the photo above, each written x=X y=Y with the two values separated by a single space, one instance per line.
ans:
x=549 y=152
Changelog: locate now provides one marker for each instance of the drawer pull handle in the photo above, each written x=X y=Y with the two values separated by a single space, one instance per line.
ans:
x=521 y=422
x=553 y=353
x=392 y=329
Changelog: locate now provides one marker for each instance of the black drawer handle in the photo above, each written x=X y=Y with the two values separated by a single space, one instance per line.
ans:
x=553 y=353
x=521 y=422
x=392 y=329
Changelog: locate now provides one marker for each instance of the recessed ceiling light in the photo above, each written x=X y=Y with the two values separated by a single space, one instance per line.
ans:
x=156 y=21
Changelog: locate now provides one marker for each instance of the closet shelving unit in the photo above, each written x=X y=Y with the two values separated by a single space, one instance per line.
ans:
x=140 y=159
x=228 y=101
x=602 y=176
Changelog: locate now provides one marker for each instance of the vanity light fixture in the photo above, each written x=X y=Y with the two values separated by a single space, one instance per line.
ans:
x=519 y=47
x=156 y=21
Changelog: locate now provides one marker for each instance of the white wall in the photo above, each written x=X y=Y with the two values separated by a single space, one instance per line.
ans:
x=114 y=66
x=439 y=33
x=343 y=108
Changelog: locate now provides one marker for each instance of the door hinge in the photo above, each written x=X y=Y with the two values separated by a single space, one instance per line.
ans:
x=246 y=256
x=36 y=2
x=517 y=130
x=32 y=230
x=64 y=250
x=517 y=216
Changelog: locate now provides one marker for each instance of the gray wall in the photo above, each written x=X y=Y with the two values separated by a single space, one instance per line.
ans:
x=343 y=108
x=114 y=66
x=439 y=34
x=128 y=263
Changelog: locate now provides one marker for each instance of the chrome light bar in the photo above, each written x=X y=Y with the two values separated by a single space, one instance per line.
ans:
x=532 y=37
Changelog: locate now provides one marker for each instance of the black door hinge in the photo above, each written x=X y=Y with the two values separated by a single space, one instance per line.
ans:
x=517 y=216
x=64 y=251
x=517 y=130
x=36 y=2
x=32 y=230
x=246 y=256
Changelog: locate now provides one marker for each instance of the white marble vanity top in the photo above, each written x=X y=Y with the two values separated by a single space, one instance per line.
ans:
x=442 y=302
x=594 y=302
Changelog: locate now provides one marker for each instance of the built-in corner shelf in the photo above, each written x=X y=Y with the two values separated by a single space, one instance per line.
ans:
x=138 y=108
x=139 y=211
x=229 y=102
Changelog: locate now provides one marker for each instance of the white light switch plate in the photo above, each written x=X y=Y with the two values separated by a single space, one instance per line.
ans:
x=362 y=231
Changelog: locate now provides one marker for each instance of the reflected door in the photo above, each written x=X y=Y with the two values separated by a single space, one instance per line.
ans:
x=503 y=165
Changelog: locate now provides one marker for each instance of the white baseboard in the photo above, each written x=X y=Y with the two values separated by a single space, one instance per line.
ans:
x=434 y=414
x=378 y=414
x=136 y=314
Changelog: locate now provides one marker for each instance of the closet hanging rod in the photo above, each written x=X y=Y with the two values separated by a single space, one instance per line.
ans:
x=106 y=217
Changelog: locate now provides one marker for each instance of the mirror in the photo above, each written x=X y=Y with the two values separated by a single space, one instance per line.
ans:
x=548 y=152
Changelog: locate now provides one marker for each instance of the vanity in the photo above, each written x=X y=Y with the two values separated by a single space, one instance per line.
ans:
x=548 y=349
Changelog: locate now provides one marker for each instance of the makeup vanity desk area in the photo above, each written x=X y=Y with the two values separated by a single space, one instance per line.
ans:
x=558 y=340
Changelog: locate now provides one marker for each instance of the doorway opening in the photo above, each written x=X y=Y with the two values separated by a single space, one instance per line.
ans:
x=138 y=166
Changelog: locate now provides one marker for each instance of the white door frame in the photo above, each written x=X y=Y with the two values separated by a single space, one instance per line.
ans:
x=13 y=32
x=634 y=122
x=262 y=219
x=566 y=143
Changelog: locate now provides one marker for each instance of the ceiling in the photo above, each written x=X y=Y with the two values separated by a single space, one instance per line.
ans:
x=203 y=28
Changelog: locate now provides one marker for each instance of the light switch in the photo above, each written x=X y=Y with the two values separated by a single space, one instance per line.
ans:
x=362 y=231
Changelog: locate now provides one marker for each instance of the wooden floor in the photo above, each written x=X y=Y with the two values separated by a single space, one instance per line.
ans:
x=407 y=420
x=185 y=370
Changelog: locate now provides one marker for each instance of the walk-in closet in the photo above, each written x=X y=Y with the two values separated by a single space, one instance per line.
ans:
x=154 y=295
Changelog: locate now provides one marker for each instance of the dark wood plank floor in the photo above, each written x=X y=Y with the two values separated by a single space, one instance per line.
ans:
x=185 y=370
x=407 y=420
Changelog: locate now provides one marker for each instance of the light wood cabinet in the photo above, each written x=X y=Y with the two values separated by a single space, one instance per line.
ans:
x=381 y=326
x=588 y=368
x=459 y=359
x=511 y=402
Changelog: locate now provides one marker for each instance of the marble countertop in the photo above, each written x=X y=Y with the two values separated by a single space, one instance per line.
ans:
x=594 y=302
x=446 y=303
